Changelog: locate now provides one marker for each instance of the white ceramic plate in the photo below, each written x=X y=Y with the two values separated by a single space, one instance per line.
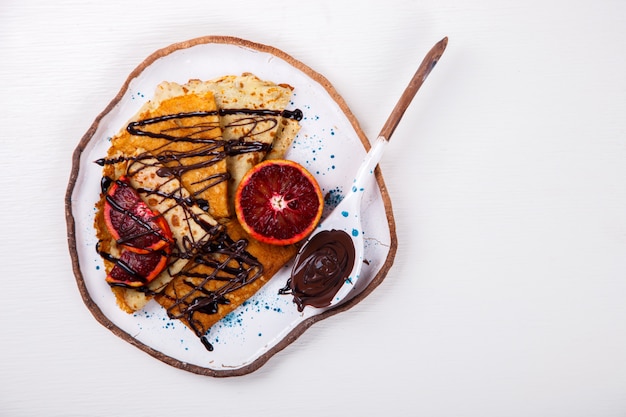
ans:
x=330 y=144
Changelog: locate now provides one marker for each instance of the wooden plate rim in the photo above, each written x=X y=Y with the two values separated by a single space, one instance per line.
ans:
x=302 y=327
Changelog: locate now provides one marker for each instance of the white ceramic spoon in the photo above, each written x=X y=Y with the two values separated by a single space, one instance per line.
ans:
x=346 y=216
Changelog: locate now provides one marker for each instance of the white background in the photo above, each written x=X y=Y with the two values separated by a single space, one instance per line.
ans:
x=507 y=177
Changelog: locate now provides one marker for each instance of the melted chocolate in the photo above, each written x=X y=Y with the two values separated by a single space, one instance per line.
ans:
x=231 y=264
x=253 y=121
x=321 y=269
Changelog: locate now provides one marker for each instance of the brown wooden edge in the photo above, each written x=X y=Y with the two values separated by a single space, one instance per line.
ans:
x=302 y=327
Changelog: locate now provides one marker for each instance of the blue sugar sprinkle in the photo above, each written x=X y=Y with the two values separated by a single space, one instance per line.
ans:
x=344 y=213
x=332 y=198
x=355 y=232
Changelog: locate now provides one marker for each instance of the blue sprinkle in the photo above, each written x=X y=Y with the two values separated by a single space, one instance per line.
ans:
x=344 y=213
x=332 y=199
x=355 y=232
x=332 y=156
x=260 y=334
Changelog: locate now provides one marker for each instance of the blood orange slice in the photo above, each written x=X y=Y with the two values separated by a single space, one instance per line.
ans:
x=137 y=269
x=131 y=222
x=279 y=202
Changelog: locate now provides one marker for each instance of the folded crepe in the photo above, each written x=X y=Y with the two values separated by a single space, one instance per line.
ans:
x=185 y=152
x=262 y=133
x=218 y=280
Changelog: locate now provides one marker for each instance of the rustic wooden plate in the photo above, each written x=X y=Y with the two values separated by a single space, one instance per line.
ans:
x=330 y=144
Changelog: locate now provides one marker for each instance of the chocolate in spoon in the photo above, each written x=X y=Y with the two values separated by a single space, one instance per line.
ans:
x=330 y=262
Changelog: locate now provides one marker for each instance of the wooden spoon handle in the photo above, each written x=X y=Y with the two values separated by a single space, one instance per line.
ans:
x=429 y=62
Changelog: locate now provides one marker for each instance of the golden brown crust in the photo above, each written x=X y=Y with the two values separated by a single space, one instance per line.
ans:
x=178 y=296
x=194 y=180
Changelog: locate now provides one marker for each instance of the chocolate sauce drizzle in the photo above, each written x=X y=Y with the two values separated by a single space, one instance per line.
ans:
x=213 y=256
x=228 y=263
x=252 y=122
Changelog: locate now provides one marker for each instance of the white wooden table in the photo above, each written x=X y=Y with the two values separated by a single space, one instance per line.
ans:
x=507 y=177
